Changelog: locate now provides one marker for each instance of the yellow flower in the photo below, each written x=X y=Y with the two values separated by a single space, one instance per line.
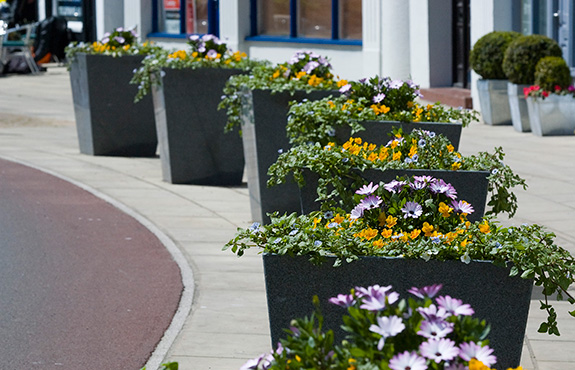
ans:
x=415 y=233
x=341 y=83
x=351 y=362
x=391 y=221
x=372 y=157
x=316 y=221
x=444 y=209
x=276 y=74
x=455 y=166
x=381 y=219
x=383 y=153
x=298 y=359
x=378 y=243
x=299 y=75
x=484 y=227
x=386 y=233
x=357 y=140
x=331 y=104
x=450 y=148
x=412 y=151
x=355 y=149
x=347 y=144
x=338 y=219
x=410 y=104
x=371 y=147
x=396 y=156
x=394 y=144
x=427 y=229
x=475 y=364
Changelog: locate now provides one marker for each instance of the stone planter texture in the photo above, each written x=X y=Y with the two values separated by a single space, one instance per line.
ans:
x=494 y=102
x=518 y=107
x=503 y=301
x=471 y=186
x=264 y=119
x=554 y=115
x=377 y=132
x=193 y=146
x=107 y=119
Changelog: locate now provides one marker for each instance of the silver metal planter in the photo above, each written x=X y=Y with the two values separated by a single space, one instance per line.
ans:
x=518 y=107
x=554 y=115
x=494 y=102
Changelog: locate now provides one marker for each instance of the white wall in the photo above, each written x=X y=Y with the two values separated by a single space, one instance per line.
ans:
x=109 y=15
x=138 y=13
x=395 y=41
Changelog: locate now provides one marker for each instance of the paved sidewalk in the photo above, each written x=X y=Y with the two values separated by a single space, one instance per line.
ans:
x=223 y=318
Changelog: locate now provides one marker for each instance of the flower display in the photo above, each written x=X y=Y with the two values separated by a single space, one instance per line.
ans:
x=117 y=43
x=339 y=167
x=207 y=51
x=306 y=70
x=535 y=91
x=376 y=99
x=392 y=334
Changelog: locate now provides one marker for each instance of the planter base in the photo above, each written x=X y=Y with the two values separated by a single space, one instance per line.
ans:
x=553 y=116
x=494 y=102
x=518 y=107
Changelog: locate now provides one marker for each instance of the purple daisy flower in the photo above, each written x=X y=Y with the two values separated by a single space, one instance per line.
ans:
x=120 y=39
x=396 y=84
x=435 y=329
x=470 y=350
x=345 y=88
x=462 y=207
x=105 y=40
x=371 y=202
x=412 y=209
x=387 y=327
x=454 y=306
x=439 y=350
x=310 y=66
x=375 y=297
x=427 y=291
x=357 y=212
x=194 y=37
x=407 y=361
x=367 y=189
x=372 y=290
x=379 y=98
x=343 y=300
x=212 y=53
x=394 y=186
x=433 y=313
x=441 y=187
x=418 y=185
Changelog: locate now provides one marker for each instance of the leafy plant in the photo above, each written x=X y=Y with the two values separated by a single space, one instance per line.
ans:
x=339 y=167
x=306 y=71
x=552 y=73
x=207 y=51
x=523 y=54
x=117 y=43
x=386 y=331
x=486 y=56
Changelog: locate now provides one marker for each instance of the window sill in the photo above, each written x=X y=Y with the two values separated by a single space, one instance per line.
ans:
x=301 y=40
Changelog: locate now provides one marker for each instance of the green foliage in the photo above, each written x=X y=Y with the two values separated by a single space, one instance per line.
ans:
x=523 y=54
x=552 y=73
x=486 y=56
x=305 y=71
x=204 y=52
x=339 y=167
x=167 y=366
x=116 y=44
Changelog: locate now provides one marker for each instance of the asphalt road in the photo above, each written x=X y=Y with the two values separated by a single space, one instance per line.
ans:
x=82 y=285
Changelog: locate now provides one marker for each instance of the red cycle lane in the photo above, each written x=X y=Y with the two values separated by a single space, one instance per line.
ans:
x=82 y=284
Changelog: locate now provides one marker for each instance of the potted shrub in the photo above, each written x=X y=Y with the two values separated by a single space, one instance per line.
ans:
x=486 y=59
x=370 y=109
x=386 y=330
x=187 y=86
x=519 y=63
x=259 y=103
x=107 y=120
x=339 y=168
x=551 y=101
x=409 y=233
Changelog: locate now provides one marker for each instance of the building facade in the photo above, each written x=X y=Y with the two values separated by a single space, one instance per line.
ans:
x=427 y=41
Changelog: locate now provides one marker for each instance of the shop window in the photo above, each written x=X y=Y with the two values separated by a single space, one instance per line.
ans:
x=301 y=20
x=182 y=17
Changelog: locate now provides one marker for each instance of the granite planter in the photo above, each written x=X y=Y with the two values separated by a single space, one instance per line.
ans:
x=108 y=121
x=193 y=146
x=518 y=107
x=503 y=301
x=471 y=186
x=264 y=136
x=378 y=132
x=554 y=115
x=494 y=101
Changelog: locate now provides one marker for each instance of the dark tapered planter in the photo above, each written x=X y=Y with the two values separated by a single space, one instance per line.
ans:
x=503 y=301
x=377 y=132
x=193 y=146
x=264 y=120
x=107 y=119
x=471 y=186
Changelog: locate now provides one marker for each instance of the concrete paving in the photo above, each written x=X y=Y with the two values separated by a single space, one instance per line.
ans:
x=222 y=320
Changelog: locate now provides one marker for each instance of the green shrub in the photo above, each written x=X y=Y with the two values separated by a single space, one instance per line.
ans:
x=551 y=72
x=522 y=56
x=486 y=57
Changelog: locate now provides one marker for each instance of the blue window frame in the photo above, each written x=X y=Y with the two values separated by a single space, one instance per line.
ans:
x=306 y=21
x=179 y=18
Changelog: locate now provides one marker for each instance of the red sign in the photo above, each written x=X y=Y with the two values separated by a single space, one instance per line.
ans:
x=172 y=4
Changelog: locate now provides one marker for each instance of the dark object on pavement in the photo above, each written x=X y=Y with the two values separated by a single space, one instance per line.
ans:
x=52 y=36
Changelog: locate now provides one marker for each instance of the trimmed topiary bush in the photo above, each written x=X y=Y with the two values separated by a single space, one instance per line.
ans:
x=522 y=56
x=551 y=72
x=486 y=57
